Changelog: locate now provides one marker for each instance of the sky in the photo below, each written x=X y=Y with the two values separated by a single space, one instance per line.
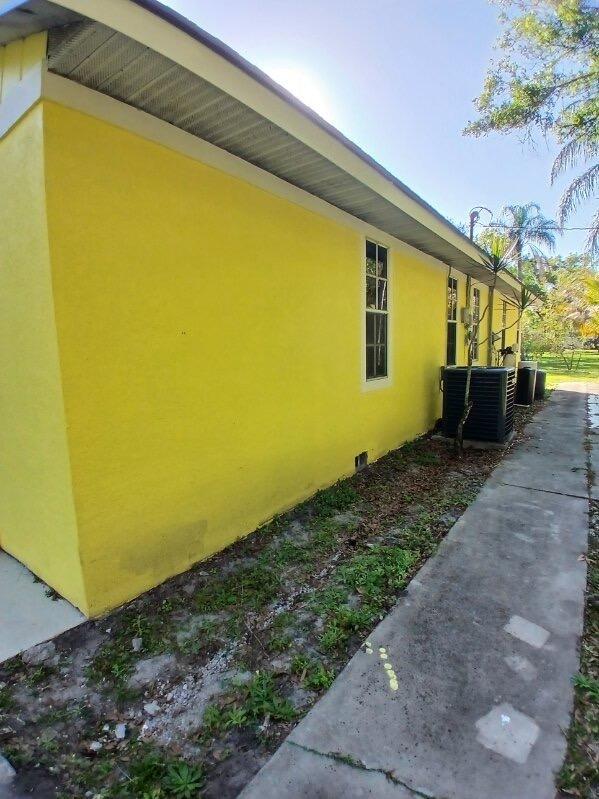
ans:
x=397 y=77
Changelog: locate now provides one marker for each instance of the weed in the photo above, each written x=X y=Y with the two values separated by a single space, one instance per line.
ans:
x=124 y=695
x=6 y=700
x=300 y=663
x=236 y=717
x=314 y=674
x=204 y=637
x=250 y=588
x=348 y=760
x=458 y=497
x=253 y=703
x=376 y=575
x=16 y=755
x=39 y=675
x=283 y=620
x=114 y=661
x=419 y=537
x=319 y=678
x=48 y=742
x=144 y=776
x=214 y=721
x=148 y=775
x=380 y=571
x=324 y=539
x=416 y=452
x=328 y=600
x=333 y=637
x=183 y=781
x=345 y=622
x=263 y=700
x=337 y=498
x=113 y=664
x=279 y=643
x=578 y=775
x=286 y=553
x=588 y=685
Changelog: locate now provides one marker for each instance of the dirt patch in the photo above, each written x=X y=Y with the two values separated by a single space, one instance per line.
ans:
x=187 y=690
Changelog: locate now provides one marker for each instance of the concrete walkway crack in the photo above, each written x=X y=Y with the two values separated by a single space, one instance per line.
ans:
x=543 y=490
x=349 y=760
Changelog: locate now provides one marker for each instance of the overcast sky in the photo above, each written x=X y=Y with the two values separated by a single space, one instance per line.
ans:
x=397 y=77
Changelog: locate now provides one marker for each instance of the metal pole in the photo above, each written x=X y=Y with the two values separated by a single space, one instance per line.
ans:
x=473 y=220
x=474 y=215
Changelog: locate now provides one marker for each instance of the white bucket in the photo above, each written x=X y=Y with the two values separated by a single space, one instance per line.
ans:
x=529 y=364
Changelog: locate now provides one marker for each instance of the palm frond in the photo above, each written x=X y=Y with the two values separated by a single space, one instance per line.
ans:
x=581 y=189
x=592 y=242
x=544 y=234
x=538 y=255
x=520 y=214
x=577 y=149
x=525 y=298
x=498 y=253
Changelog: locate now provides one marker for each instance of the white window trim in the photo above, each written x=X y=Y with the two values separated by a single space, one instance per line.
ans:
x=472 y=305
x=451 y=321
x=376 y=383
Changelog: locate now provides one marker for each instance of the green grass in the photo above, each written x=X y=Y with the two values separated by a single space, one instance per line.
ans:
x=376 y=576
x=249 y=704
x=6 y=700
x=557 y=372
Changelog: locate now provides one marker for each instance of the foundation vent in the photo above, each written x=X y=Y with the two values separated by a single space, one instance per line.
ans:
x=361 y=461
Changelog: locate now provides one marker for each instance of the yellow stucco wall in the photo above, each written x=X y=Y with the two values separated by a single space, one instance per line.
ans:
x=18 y=59
x=37 y=521
x=210 y=337
x=183 y=355
x=512 y=318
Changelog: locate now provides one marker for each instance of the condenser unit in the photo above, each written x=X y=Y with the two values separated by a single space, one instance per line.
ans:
x=492 y=390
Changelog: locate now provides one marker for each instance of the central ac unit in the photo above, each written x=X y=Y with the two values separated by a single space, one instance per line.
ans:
x=492 y=390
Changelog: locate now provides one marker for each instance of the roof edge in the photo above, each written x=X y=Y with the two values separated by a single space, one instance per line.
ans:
x=219 y=47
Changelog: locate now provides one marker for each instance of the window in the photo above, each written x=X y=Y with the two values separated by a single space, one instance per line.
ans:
x=503 y=324
x=475 y=322
x=376 y=310
x=452 y=320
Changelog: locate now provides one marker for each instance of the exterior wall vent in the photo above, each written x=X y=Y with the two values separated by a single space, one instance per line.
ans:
x=361 y=461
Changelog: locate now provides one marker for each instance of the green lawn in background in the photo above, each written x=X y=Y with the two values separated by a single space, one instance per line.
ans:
x=557 y=372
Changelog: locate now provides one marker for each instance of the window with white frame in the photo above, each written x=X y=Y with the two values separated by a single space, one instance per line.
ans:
x=475 y=322
x=452 y=320
x=376 y=310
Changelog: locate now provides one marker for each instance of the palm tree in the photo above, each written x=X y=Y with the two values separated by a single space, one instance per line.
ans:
x=583 y=187
x=528 y=230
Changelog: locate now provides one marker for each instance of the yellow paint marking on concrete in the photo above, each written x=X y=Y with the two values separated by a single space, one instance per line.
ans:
x=389 y=671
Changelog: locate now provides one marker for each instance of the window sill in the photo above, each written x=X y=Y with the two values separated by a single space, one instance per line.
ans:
x=376 y=383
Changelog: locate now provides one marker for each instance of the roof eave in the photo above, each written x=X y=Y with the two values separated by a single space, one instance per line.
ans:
x=21 y=17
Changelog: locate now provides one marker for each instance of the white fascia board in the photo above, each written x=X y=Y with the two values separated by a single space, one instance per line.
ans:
x=147 y=28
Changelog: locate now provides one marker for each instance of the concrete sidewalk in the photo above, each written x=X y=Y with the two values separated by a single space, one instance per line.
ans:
x=464 y=690
x=28 y=615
